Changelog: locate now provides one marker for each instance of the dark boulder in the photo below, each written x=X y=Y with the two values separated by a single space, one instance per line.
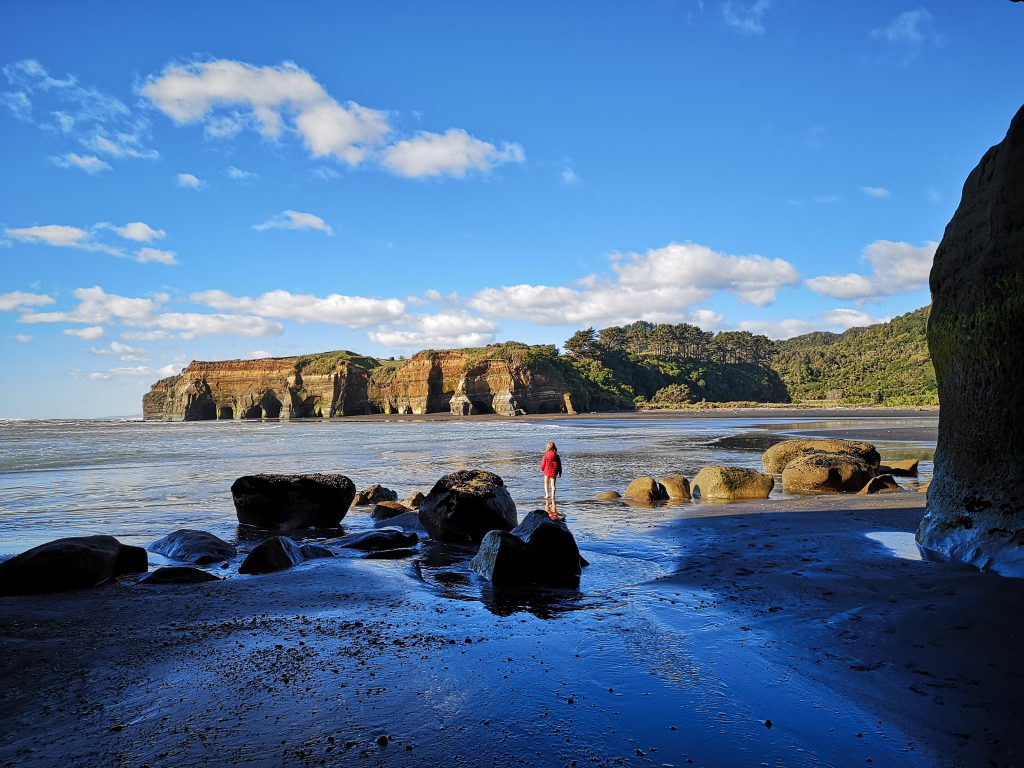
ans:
x=373 y=494
x=537 y=551
x=178 y=574
x=189 y=546
x=286 y=502
x=77 y=562
x=465 y=505
x=275 y=554
x=382 y=510
x=375 y=541
x=407 y=521
x=315 y=551
x=976 y=499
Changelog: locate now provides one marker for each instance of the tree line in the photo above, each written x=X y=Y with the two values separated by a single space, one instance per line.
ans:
x=682 y=341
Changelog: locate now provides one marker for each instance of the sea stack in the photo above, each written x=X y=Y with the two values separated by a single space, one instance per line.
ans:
x=976 y=499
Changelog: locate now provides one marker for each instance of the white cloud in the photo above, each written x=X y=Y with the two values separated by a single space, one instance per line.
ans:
x=147 y=255
x=123 y=352
x=451 y=153
x=96 y=306
x=190 y=181
x=334 y=309
x=879 y=192
x=88 y=163
x=569 y=177
x=239 y=175
x=23 y=338
x=139 y=231
x=90 y=333
x=264 y=97
x=746 y=17
x=659 y=285
x=257 y=354
x=57 y=235
x=19 y=104
x=294 y=220
x=138 y=372
x=22 y=300
x=120 y=145
x=908 y=34
x=445 y=329
x=189 y=325
x=837 y=320
x=895 y=268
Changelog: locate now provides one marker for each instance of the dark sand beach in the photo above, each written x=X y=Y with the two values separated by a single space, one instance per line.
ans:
x=786 y=637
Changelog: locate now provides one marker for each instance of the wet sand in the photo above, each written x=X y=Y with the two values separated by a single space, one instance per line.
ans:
x=786 y=636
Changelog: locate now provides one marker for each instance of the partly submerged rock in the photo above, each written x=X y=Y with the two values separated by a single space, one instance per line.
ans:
x=190 y=546
x=286 y=502
x=902 y=468
x=718 y=483
x=77 y=562
x=779 y=455
x=374 y=494
x=275 y=554
x=315 y=551
x=825 y=473
x=465 y=505
x=608 y=496
x=538 y=551
x=414 y=500
x=407 y=521
x=646 y=489
x=676 y=486
x=375 y=541
x=382 y=510
x=178 y=574
x=975 y=507
x=880 y=484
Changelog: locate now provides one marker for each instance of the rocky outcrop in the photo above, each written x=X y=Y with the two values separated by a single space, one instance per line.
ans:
x=718 y=483
x=286 y=502
x=379 y=540
x=76 y=562
x=976 y=499
x=825 y=473
x=779 y=455
x=279 y=553
x=465 y=505
x=189 y=546
x=537 y=551
x=497 y=379
x=374 y=494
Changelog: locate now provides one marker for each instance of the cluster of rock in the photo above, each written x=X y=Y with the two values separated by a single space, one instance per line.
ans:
x=495 y=379
x=812 y=466
x=465 y=507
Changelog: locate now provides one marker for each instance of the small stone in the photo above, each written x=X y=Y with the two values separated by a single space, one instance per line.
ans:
x=382 y=741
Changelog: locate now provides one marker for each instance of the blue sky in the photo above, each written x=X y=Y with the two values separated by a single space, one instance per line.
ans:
x=207 y=181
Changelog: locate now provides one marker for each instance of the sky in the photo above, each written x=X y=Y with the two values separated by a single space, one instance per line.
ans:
x=204 y=181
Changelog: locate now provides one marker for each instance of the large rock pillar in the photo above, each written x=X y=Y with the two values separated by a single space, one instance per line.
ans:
x=976 y=339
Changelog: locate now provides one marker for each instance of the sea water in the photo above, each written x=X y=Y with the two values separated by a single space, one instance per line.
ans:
x=141 y=480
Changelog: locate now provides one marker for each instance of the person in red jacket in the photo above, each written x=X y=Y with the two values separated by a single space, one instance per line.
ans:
x=551 y=466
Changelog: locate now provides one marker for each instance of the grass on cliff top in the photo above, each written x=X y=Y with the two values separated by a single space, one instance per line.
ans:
x=515 y=352
x=325 y=362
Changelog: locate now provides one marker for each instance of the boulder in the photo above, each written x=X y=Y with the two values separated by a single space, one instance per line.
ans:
x=608 y=496
x=880 y=484
x=374 y=494
x=465 y=505
x=718 y=483
x=189 y=546
x=676 y=486
x=382 y=510
x=275 y=554
x=905 y=468
x=825 y=473
x=179 y=574
x=286 y=502
x=315 y=551
x=414 y=500
x=407 y=521
x=975 y=510
x=77 y=562
x=646 y=489
x=375 y=541
x=538 y=551
x=779 y=455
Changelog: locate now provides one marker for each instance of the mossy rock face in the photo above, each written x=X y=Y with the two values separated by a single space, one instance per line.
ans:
x=779 y=455
x=825 y=473
x=718 y=483
x=976 y=499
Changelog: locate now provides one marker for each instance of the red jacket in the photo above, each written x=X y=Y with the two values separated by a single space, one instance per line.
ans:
x=551 y=464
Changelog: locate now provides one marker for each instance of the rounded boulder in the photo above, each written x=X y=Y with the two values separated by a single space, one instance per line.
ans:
x=463 y=506
x=646 y=489
x=287 y=502
x=779 y=455
x=825 y=473
x=718 y=483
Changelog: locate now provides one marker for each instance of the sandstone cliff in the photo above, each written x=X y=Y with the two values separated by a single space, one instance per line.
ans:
x=500 y=379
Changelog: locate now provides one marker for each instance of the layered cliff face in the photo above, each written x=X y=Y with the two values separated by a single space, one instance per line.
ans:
x=462 y=382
